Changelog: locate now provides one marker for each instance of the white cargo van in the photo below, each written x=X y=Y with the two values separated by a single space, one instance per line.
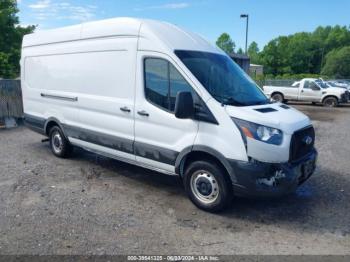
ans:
x=151 y=94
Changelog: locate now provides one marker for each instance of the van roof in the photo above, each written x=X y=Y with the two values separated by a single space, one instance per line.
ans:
x=157 y=34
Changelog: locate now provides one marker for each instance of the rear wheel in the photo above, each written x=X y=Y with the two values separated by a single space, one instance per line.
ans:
x=330 y=102
x=208 y=186
x=59 y=144
x=277 y=97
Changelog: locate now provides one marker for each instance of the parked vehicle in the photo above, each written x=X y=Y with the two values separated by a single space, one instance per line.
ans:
x=339 y=85
x=296 y=84
x=310 y=90
x=151 y=94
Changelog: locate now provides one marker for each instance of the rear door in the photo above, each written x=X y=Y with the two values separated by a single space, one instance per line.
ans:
x=106 y=99
x=159 y=135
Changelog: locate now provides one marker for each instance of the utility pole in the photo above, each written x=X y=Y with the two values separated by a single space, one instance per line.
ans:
x=322 y=58
x=246 y=31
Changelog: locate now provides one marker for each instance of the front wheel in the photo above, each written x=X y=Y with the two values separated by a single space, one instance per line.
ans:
x=330 y=102
x=59 y=144
x=208 y=186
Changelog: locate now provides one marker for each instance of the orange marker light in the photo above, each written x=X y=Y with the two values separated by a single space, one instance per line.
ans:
x=247 y=132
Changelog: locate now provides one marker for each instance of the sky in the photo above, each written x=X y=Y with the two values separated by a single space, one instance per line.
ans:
x=267 y=18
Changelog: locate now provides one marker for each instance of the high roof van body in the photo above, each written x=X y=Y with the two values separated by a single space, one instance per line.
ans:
x=154 y=95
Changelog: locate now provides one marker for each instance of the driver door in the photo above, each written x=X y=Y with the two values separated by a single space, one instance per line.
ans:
x=159 y=135
x=310 y=92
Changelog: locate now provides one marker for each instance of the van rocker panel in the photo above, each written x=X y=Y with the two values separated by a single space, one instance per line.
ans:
x=117 y=143
x=35 y=123
x=163 y=155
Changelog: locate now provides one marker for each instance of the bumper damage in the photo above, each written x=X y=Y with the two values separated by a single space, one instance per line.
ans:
x=266 y=179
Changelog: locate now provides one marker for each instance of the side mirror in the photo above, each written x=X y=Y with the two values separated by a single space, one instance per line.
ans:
x=184 y=106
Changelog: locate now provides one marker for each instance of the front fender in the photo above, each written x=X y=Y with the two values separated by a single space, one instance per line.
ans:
x=338 y=96
x=210 y=151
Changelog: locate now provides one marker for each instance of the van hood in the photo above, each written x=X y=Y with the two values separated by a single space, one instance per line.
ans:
x=276 y=115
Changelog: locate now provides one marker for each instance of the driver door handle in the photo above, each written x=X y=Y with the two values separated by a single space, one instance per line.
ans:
x=143 y=113
x=125 y=109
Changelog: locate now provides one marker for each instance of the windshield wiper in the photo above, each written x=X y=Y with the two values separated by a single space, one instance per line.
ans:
x=227 y=100
x=231 y=101
x=263 y=102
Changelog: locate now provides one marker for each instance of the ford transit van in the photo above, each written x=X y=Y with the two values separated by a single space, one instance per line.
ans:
x=152 y=94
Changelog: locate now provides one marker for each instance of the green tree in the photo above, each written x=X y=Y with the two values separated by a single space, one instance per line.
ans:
x=225 y=43
x=338 y=37
x=275 y=56
x=338 y=63
x=240 y=51
x=11 y=34
x=253 y=52
x=301 y=53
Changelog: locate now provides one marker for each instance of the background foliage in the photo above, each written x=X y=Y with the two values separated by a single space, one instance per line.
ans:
x=324 y=51
x=11 y=34
x=338 y=63
x=225 y=43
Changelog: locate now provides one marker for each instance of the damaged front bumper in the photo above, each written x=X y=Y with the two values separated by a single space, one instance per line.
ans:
x=345 y=98
x=266 y=179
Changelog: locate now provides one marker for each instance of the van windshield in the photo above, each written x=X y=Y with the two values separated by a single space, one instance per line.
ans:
x=223 y=78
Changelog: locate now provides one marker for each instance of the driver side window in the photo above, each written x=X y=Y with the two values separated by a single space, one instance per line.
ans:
x=307 y=85
x=313 y=86
x=163 y=82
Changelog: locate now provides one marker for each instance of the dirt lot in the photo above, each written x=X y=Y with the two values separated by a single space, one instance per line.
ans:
x=93 y=205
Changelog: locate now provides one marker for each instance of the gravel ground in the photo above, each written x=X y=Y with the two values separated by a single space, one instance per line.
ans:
x=93 y=205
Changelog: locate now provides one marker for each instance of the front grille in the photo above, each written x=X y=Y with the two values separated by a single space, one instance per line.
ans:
x=299 y=146
x=343 y=97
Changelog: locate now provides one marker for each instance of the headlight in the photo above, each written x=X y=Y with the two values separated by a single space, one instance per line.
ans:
x=259 y=132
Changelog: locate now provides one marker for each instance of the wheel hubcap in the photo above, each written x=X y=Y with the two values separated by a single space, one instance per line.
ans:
x=205 y=187
x=57 y=143
x=277 y=98
x=330 y=103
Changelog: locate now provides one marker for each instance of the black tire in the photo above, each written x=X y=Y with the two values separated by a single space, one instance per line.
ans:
x=277 y=97
x=330 y=102
x=59 y=144
x=208 y=177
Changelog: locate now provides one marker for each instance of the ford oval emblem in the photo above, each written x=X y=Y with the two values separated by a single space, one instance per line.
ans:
x=307 y=140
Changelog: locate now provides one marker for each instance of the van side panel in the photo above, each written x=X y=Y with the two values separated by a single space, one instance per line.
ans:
x=95 y=78
x=46 y=93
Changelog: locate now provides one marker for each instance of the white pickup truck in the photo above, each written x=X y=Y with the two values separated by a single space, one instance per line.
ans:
x=310 y=90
